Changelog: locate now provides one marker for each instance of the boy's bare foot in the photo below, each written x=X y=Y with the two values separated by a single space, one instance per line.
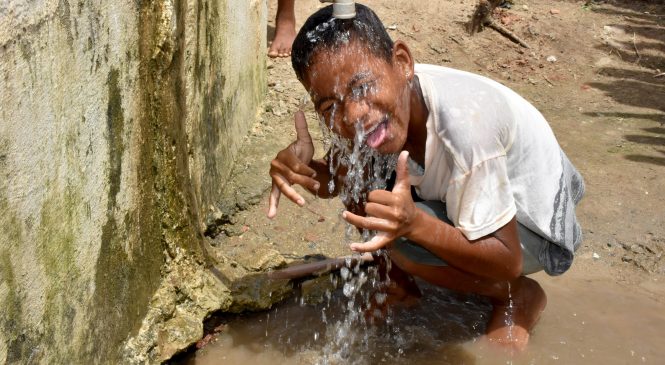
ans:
x=510 y=325
x=285 y=30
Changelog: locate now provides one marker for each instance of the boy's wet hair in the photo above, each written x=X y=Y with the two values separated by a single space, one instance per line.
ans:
x=321 y=30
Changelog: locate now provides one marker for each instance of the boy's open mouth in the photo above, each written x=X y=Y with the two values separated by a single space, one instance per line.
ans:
x=377 y=134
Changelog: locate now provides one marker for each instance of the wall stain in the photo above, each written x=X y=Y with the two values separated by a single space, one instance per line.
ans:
x=64 y=15
x=114 y=127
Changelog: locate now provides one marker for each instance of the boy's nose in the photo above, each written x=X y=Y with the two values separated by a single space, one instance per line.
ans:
x=355 y=111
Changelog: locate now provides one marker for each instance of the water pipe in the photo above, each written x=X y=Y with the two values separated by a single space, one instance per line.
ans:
x=319 y=268
x=343 y=9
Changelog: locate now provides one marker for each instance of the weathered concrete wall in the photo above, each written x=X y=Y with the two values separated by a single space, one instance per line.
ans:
x=118 y=123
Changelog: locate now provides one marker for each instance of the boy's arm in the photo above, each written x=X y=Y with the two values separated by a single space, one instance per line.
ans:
x=497 y=256
x=393 y=214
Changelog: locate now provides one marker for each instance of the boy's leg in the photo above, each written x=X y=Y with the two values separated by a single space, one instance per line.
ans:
x=510 y=324
x=285 y=29
x=517 y=304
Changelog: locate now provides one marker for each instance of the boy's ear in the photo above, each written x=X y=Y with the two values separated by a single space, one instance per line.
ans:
x=402 y=59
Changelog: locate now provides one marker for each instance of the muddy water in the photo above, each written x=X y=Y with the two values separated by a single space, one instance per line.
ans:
x=588 y=320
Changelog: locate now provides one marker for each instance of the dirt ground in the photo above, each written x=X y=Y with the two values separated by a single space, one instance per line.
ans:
x=594 y=69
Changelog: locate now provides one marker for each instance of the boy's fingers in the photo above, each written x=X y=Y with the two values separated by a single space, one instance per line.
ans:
x=304 y=181
x=286 y=189
x=273 y=201
x=303 y=169
x=402 y=170
x=289 y=157
x=372 y=223
x=302 y=132
x=379 y=210
x=377 y=242
x=384 y=197
x=295 y=174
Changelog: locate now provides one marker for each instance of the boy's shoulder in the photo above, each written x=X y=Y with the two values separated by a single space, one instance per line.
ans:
x=453 y=81
x=467 y=99
x=472 y=115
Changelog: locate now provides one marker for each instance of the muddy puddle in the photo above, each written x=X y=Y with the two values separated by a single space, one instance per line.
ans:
x=590 y=319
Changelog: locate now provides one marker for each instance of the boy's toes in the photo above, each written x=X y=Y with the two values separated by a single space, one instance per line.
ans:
x=273 y=52
x=285 y=52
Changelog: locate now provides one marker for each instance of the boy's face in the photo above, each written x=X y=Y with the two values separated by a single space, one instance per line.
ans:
x=355 y=91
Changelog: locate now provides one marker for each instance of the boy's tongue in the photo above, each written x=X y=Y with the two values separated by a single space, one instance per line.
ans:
x=377 y=136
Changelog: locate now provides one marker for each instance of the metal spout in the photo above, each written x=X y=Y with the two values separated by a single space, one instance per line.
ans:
x=343 y=9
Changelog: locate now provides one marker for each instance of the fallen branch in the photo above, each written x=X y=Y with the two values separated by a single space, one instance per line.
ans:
x=506 y=33
x=482 y=17
x=639 y=57
x=548 y=80
x=659 y=75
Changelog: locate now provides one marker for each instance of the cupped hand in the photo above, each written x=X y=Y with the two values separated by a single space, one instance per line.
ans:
x=391 y=213
x=291 y=167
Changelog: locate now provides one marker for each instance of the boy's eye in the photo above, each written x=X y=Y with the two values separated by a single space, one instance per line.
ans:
x=326 y=106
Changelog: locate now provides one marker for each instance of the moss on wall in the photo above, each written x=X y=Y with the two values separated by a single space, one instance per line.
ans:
x=11 y=323
x=104 y=206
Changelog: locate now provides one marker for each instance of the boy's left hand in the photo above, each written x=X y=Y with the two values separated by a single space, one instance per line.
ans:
x=391 y=213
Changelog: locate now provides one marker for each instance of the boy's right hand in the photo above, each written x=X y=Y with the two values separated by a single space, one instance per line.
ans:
x=291 y=166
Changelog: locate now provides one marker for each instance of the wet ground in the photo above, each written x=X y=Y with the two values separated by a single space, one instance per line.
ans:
x=606 y=103
x=590 y=319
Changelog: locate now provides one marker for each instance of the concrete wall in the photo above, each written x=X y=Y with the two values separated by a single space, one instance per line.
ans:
x=118 y=123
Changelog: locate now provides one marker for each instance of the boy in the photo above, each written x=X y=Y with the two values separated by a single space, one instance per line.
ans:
x=499 y=194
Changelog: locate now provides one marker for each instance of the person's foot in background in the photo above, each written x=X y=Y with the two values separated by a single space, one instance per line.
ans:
x=285 y=29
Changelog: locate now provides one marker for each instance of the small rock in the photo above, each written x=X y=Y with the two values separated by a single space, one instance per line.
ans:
x=555 y=11
x=637 y=249
x=595 y=256
x=204 y=341
x=392 y=27
x=278 y=87
x=603 y=61
x=314 y=291
x=525 y=7
x=551 y=58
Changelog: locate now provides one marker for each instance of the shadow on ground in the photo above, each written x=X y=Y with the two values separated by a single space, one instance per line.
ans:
x=636 y=79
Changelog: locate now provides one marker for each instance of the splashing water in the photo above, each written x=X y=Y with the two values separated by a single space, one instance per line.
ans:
x=363 y=170
x=366 y=169
x=509 y=314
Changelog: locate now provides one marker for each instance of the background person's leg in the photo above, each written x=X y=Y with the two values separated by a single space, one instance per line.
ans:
x=285 y=29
